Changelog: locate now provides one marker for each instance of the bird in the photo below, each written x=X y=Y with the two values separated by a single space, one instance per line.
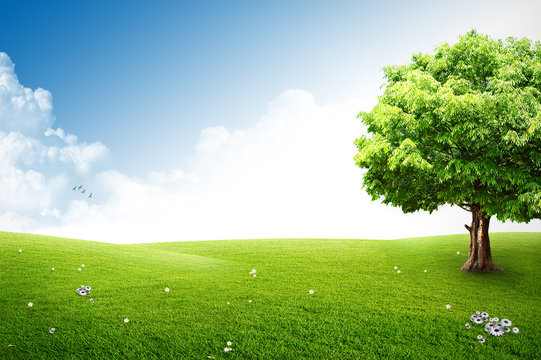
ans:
x=74 y=188
x=90 y=195
x=82 y=192
x=80 y=187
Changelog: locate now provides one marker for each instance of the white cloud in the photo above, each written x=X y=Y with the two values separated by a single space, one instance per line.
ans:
x=22 y=109
x=83 y=155
x=290 y=175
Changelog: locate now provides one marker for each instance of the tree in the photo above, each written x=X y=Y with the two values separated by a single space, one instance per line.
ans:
x=460 y=127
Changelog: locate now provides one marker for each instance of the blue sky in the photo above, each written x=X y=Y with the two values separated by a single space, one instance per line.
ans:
x=154 y=90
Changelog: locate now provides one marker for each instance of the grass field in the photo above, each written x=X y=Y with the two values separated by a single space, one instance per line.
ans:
x=361 y=307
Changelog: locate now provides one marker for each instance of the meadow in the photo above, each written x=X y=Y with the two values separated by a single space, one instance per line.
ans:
x=361 y=306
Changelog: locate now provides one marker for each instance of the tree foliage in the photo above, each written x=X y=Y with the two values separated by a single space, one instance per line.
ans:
x=461 y=127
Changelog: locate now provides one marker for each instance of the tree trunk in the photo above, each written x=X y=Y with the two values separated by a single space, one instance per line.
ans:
x=479 y=258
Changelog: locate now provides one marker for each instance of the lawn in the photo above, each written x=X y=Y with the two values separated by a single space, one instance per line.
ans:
x=361 y=307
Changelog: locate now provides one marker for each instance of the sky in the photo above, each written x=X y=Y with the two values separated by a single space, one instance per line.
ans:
x=212 y=119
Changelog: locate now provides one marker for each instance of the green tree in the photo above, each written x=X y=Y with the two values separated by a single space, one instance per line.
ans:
x=460 y=127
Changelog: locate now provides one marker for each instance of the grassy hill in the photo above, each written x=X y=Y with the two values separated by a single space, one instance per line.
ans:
x=361 y=307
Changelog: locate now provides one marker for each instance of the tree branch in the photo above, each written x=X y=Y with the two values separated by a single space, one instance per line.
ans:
x=467 y=228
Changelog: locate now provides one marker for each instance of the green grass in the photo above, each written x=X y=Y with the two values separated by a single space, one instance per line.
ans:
x=361 y=308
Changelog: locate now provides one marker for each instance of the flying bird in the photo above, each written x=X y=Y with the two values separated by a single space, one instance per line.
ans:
x=82 y=192
x=90 y=195
x=74 y=188
x=80 y=187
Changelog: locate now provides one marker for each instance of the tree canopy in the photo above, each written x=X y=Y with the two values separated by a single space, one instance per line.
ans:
x=460 y=127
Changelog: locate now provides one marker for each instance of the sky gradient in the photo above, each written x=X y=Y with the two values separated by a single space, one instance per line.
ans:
x=212 y=119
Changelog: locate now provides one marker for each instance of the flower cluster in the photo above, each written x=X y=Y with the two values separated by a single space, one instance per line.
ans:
x=493 y=326
x=228 y=348
x=253 y=272
x=84 y=290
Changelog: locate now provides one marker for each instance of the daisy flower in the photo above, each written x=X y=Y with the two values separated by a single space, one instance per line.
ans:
x=92 y=301
x=468 y=326
x=488 y=327
x=479 y=337
x=88 y=288
x=496 y=319
x=228 y=303
x=83 y=293
x=254 y=271
x=52 y=330
x=126 y=320
x=20 y=251
x=478 y=312
x=311 y=292
x=496 y=331
x=30 y=304
x=255 y=275
x=52 y=269
x=458 y=252
x=250 y=301
x=166 y=289
x=505 y=329
x=229 y=343
x=425 y=270
x=227 y=349
x=398 y=271
x=482 y=341
x=515 y=330
x=473 y=317
x=506 y=322
x=479 y=319
x=396 y=267
x=79 y=269
x=82 y=265
x=447 y=306
x=484 y=314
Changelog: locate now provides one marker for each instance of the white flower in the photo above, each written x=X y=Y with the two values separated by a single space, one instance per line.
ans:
x=52 y=330
x=88 y=288
x=79 y=269
x=254 y=271
x=496 y=319
x=226 y=349
x=425 y=270
x=491 y=319
x=515 y=330
x=482 y=341
x=52 y=269
x=506 y=322
x=30 y=304
x=484 y=314
x=20 y=251
x=468 y=326
x=396 y=267
x=489 y=326
x=478 y=312
x=496 y=331
x=310 y=291
x=82 y=265
x=458 y=252
x=479 y=319
x=254 y=275
x=126 y=320
x=92 y=301
x=480 y=337
x=166 y=289
x=228 y=303
x=398 y=271
x=229 y=343
x=250 y=301
x=83 y=292
x=447 y=306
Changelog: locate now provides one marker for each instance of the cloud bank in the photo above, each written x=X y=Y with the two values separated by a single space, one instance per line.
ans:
x=289 y=175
